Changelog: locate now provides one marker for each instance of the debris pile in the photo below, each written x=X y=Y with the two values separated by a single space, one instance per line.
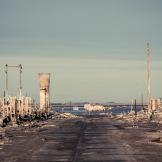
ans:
x=57 y=115
x=94 y=107
x=150 y=119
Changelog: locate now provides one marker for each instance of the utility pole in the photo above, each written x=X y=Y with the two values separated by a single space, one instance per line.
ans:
x=148 y=77
x=142 y=105
x=20 y=70
x=6 y=71
x=135 y=107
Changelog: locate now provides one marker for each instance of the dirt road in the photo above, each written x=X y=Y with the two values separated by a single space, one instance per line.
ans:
x=95 y=139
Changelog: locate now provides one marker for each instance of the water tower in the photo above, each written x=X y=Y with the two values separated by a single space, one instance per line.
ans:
x=44 y=82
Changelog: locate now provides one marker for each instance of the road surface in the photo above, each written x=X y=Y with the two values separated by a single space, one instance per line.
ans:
x=93 y=139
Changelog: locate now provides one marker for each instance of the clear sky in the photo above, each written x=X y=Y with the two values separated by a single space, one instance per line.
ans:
x=94 y=49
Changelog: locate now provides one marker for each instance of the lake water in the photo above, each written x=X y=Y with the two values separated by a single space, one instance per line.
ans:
x=81 y=110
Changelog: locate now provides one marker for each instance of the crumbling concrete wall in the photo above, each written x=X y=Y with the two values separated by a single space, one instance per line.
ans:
x=13 y=107
x=156 y=103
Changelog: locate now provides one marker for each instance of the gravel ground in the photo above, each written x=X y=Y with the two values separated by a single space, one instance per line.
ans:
x=87 y=139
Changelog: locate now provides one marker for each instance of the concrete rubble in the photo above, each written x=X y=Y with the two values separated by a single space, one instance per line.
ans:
x=64 y=115
x=94 y=107
x=148 y=122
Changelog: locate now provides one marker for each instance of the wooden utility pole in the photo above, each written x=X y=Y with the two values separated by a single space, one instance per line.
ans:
x=142 y=105
x=148 y=77
x=6 y=71
x=20 y=88
x=135 y=107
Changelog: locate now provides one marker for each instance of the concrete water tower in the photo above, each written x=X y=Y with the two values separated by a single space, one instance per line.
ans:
x=44 y=82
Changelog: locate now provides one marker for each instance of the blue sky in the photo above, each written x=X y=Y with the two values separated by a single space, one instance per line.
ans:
x=94 y=49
